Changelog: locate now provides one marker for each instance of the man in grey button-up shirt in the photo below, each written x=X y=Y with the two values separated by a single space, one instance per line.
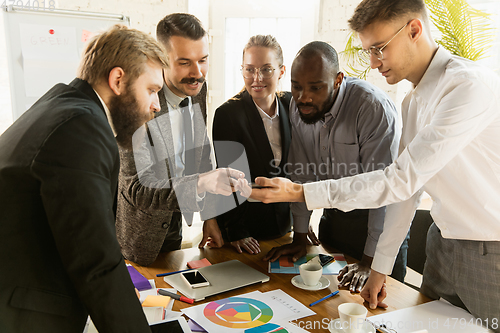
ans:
x=340 y=127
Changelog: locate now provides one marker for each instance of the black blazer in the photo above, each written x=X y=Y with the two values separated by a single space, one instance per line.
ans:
x=238 y=120
x=58 y=173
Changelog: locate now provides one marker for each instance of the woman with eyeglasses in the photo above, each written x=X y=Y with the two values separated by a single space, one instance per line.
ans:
x=257 y=118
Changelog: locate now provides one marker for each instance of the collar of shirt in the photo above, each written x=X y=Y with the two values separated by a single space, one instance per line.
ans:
x=427 y=85
x=108 y=114
x=172 y=99
x=264 y=115
x=338 y=102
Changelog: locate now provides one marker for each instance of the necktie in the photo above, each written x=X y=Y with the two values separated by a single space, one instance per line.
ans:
x=189 y=164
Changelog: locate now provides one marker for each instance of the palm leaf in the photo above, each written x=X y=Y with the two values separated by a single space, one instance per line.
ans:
x=465 y=31
x=355 y=66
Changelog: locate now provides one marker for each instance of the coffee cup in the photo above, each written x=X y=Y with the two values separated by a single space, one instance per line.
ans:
x=310 y=272
x=352 y=317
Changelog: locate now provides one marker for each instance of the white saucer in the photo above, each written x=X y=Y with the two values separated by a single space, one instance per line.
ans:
x=335 y=327
x=322 y=284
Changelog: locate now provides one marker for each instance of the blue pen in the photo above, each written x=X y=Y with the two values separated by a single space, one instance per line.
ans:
x=170 y=273
x=322 y=299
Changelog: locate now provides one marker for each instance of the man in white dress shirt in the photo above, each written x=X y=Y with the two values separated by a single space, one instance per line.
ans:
x=450 y=148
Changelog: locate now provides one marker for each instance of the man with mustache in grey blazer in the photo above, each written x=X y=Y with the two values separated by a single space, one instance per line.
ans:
x=170 y=178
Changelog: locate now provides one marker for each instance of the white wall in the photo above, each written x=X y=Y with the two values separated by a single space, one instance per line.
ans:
x=333 y=29
x=144 y=15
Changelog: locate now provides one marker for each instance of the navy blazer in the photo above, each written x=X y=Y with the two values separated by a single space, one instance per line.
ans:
x=59 y=168
x=238 y=120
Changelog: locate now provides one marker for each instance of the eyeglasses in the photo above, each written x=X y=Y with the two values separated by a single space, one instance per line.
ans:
x=375 y=51
x=265 y=72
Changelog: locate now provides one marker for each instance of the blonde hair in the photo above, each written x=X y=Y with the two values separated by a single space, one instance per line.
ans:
x=122 y=47
x=266 y=41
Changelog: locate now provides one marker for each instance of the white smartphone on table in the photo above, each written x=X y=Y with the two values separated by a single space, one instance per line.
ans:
x=195 y=279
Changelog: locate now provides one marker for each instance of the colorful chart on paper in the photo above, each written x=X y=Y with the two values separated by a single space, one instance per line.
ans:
x=285 y=265
x=238 y=312
x=267 y=328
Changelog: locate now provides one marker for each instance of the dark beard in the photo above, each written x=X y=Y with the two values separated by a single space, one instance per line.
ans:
x=312 y=118
x=126 y=117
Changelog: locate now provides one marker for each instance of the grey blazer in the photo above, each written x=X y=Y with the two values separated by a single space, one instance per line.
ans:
x=148 y=194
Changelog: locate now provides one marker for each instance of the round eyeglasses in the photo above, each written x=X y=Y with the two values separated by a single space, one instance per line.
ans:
x=265 y=72
x=375 y=51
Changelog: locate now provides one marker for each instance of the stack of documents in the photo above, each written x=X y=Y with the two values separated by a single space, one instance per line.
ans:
x=436 y=316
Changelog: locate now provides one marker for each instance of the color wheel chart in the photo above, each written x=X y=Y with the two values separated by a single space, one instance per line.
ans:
x=267 y=328
x=239 y=312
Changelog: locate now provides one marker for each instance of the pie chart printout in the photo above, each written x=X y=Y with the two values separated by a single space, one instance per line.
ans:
x=239 y=312
x=267 y=328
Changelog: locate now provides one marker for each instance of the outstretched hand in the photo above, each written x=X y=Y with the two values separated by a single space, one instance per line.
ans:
x=277 y=190
x=223 y=181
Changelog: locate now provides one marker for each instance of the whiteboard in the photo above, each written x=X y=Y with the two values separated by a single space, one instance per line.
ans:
x=44 y=48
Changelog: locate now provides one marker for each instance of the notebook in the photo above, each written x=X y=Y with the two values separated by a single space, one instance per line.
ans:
x=222 y=277
x=139 y=281
x=198 y=263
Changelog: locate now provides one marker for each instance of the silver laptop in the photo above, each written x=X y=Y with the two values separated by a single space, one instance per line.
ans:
x=222 y=277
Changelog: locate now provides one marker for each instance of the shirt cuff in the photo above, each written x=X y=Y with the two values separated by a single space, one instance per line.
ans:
x=383 y=264
x=370 y=247
x=301 y=224
x=316 y=195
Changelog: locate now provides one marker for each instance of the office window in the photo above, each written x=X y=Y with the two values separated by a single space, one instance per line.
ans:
x=239 y=30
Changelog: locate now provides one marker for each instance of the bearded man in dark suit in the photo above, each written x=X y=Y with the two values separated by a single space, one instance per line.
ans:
x=59 y=167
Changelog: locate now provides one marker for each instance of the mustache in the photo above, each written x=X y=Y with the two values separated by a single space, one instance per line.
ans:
x=193 y=80
x=307 y=105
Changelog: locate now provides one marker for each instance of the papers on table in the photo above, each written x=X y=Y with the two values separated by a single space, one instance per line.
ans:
x=285 y=265
x=436 y=316
x=253 y=312
x=152 y=312
x=139 y=281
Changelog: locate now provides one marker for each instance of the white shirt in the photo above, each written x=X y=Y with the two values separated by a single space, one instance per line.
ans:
x=450 y=148
x=177 y=123
x=273 y=131
x=108 y=114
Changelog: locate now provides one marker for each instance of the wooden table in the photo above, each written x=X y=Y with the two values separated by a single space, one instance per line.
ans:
x=399 y=295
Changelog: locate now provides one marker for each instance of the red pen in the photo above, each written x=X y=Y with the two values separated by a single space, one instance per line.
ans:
x=175 y=296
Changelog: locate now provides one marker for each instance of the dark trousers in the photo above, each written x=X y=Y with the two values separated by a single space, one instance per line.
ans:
x=347 y=233
x=173 y=239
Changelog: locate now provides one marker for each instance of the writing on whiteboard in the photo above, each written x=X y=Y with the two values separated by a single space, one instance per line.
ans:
x=51 y=41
